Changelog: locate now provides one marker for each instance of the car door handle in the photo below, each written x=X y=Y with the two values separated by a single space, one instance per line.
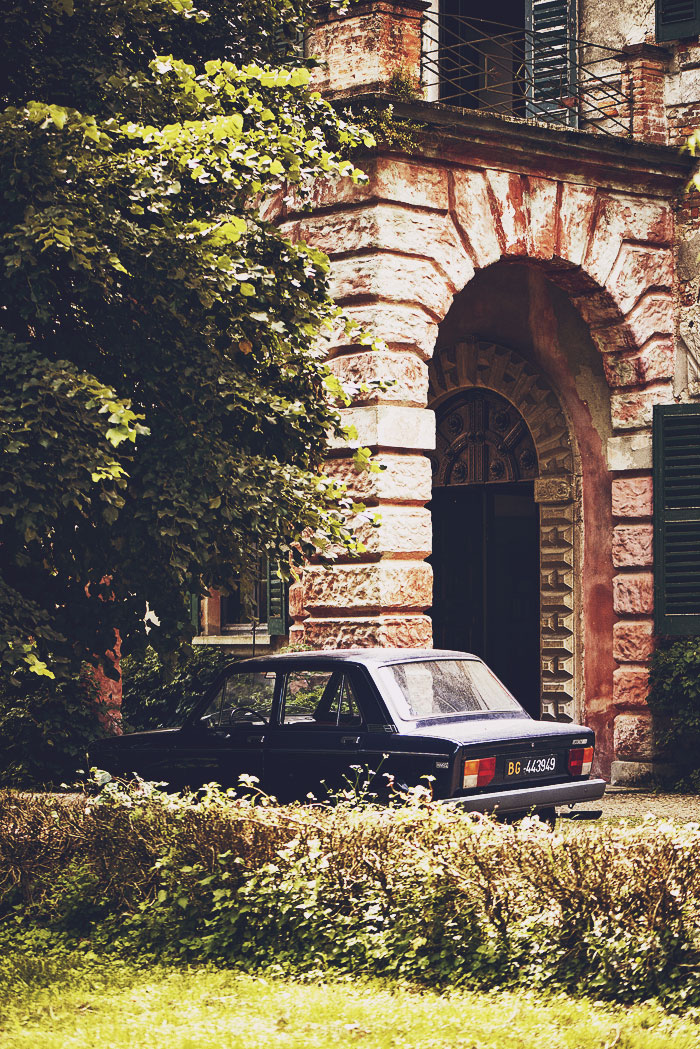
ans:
x=255 y=739
x=349 y=741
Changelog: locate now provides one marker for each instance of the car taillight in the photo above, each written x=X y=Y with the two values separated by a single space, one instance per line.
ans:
x=580 y=761
x=479 y=772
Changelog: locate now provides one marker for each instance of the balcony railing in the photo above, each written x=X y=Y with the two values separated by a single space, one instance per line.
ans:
x=539 y=76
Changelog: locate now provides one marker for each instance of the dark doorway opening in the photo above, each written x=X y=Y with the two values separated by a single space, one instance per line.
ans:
x=482 y=59
x=486 y=580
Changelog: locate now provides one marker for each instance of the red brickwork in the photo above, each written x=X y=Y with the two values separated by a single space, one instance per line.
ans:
x=643 y=81
x=363 y=49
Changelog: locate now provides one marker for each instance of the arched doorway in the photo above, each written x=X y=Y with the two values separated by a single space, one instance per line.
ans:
x=486 y=538
x=505 y=523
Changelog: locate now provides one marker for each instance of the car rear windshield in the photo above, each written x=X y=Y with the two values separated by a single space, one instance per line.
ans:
x=440 y=687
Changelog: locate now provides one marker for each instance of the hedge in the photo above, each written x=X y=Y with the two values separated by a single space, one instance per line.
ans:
x=419 y=892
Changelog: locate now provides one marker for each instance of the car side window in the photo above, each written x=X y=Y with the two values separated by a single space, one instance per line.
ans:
x=349 y=710
x=322 y=699
x=311 y=697
x=244 y=698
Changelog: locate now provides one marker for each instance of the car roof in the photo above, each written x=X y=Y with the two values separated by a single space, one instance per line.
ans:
x=364 y=656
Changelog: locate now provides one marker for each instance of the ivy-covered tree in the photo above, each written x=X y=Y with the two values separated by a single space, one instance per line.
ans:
x=164 y=403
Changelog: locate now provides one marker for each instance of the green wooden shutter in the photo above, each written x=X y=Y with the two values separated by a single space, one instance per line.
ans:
x=550 y=49
x=676 y=19
x=676 y=446
x=276 y=603
x=195 y=604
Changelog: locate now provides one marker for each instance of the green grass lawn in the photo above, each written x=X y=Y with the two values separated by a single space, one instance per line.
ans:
x=107 y=1004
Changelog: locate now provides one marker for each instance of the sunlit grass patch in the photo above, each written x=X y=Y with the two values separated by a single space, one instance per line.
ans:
x=90 y=1002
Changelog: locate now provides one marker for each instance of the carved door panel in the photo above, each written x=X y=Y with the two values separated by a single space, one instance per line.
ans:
x=482 y=438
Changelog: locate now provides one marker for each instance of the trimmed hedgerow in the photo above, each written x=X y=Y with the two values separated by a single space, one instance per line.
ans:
x=419 y=892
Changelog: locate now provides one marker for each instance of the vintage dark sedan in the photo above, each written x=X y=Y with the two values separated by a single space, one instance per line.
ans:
x=304 y=723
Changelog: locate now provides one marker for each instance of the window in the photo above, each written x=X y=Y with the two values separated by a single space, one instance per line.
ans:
x=551 y=57
x=234 y=616
x=676 y=445
x=676 y=19
x=228 y=613
x=436 y=687
x=519 y=60
x=320 y=698
x=243 y=698
x=310 y=696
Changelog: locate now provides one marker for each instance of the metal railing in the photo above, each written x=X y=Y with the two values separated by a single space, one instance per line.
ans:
x=512 y=71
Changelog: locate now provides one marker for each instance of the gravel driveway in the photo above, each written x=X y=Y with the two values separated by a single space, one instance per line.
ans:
x=625 y=803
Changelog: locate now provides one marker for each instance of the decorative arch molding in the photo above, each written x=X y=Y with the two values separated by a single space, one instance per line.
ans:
x=478 y=363
x=610 y=251
x=423 y=229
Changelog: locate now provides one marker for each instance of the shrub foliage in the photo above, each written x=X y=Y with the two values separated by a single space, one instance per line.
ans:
x=155 y=695
x=674 y=699
x=45 y=727
x=418 y=892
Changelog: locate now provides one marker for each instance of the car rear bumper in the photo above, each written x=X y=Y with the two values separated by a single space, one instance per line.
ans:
x=527 y=799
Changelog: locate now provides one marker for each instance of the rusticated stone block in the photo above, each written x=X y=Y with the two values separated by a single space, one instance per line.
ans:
x=596 y=308
x=631 y=411
x=621 y=219
x=633 y=546
x=403 y=532
x=391 y=227
x=380 y=587
x=413 y=183
x=473 y=215
x=576 y=215
x=629 y=452
x=633 y=594
x=615 y=338
x=406 y=372
x=508 y=194
x=633 y=641
x=392 y=279
x=632 y=497
x=657 y=359
x=296 y=601
x=653 y=315
x=653 y=364
x=630 y=687
x=404 y=631
x=402 y=479
x=541 y=203
x=638 y=267
x=397 y=324
x=633 y=737
x=389 y=426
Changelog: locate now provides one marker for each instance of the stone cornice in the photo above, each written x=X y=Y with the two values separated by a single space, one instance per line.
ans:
x=453 y=135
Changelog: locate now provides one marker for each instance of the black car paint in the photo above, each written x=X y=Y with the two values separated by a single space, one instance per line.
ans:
x=290 y=762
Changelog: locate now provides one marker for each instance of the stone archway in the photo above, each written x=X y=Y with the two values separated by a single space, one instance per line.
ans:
x=479 y=363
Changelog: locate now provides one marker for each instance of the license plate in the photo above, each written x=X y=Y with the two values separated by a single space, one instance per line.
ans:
x=532 y=765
